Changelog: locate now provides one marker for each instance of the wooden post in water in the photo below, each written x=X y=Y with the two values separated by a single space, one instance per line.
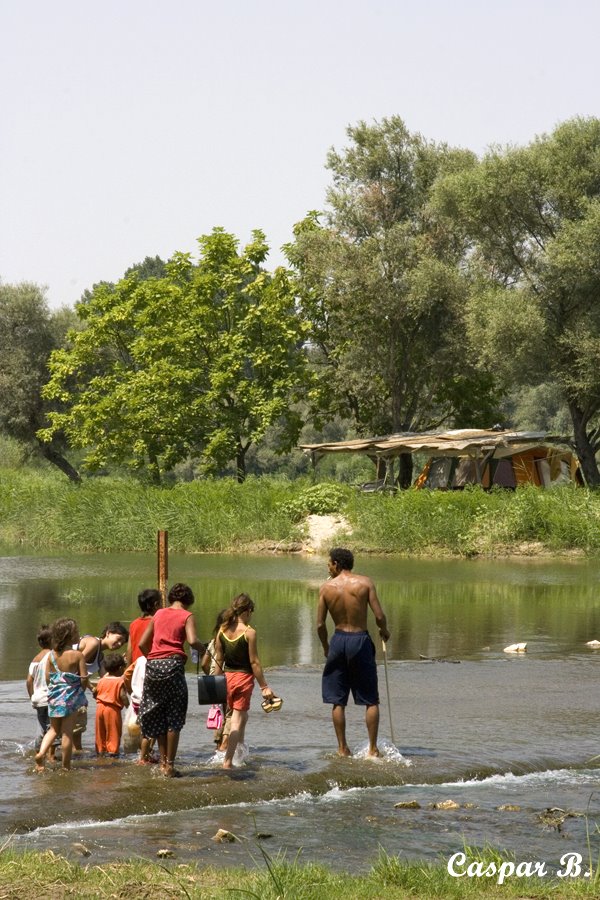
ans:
x=162 y=552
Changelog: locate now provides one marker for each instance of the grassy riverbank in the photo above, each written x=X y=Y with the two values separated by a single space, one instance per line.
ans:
x=42 y=510
x=47 y=875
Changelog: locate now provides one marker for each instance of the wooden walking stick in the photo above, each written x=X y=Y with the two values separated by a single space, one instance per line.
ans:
x=387 y=688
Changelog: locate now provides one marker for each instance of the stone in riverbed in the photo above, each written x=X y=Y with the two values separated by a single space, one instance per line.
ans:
x=224 y=837
x=81 y=848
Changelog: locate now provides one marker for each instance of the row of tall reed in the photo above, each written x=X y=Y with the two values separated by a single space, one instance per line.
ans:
x=42 y=510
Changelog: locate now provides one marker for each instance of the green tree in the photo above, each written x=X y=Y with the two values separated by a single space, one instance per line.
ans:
x=380 y=284
x=150 y=267
x=29 y=332
x=199 y=362
x=532 y=218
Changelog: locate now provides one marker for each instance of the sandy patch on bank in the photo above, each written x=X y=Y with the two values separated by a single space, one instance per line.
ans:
x=322 y=531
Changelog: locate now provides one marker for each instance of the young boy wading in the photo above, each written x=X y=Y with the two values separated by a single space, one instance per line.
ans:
x=350 y=655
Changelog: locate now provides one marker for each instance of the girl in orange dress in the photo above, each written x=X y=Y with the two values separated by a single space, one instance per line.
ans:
x=111 y=697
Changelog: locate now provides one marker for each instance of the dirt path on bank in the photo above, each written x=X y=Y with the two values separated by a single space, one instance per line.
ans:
x=322 y=531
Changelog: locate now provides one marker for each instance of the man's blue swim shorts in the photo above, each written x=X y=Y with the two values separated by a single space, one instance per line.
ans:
x=350 y=666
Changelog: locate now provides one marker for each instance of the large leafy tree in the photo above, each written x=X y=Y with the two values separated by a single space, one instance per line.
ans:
x=29 y=332
x=199 y=361
x=380 y=283
x=532 y=218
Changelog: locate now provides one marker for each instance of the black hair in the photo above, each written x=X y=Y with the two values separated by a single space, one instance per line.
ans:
x=114 y=663
x=149 y=600
x=44 y=637
x=342 y=557
x=115 y=628
x=182 y=593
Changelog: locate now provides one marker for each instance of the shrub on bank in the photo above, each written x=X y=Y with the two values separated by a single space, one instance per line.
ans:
x=319 y=499
x=474 y=521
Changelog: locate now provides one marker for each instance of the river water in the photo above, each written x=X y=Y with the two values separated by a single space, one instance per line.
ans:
x=472 y=724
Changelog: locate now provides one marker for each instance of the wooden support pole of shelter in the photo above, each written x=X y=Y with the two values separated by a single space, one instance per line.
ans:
x=162 y=553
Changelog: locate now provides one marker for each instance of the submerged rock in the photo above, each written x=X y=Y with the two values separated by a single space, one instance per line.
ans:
x=224 y=837
x=554 y=817
x=407 y=804
x=445 y=804
x=81 y=848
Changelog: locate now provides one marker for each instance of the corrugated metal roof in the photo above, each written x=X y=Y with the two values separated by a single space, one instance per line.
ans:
x=469 y=441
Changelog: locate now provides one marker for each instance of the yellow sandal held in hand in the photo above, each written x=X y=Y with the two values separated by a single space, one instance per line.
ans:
x=272 y=704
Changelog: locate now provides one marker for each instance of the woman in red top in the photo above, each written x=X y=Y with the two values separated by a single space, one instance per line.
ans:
x=149 y=600
x=165 y=698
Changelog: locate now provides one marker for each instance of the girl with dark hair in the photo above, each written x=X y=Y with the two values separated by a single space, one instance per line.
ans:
x=149 y=600
x=67 y=679
x=209 y=667
x=112 y=637
x=237 y=656
x=111 y=697
x=164 y=703
x=37 y=687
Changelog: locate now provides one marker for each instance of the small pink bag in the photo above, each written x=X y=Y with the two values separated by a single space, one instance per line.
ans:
x=215 y=719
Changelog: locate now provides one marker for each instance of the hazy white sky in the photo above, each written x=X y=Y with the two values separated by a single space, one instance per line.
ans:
x=129 y=128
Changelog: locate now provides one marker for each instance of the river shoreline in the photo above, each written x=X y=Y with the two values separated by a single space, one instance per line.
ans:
x=524 y=550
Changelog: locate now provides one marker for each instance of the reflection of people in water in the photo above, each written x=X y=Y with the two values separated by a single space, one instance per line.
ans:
x=350 y=654
x=237 y=656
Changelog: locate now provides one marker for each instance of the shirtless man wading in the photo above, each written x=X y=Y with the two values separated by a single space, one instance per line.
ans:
x=350 y=655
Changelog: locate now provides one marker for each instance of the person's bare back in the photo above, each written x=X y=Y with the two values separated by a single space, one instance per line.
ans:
x=347 y=598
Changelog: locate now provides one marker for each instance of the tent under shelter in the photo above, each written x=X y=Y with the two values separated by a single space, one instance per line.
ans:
x=465 y=456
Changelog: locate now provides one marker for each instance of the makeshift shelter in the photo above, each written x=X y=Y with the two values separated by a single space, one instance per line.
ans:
x=468 y=456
